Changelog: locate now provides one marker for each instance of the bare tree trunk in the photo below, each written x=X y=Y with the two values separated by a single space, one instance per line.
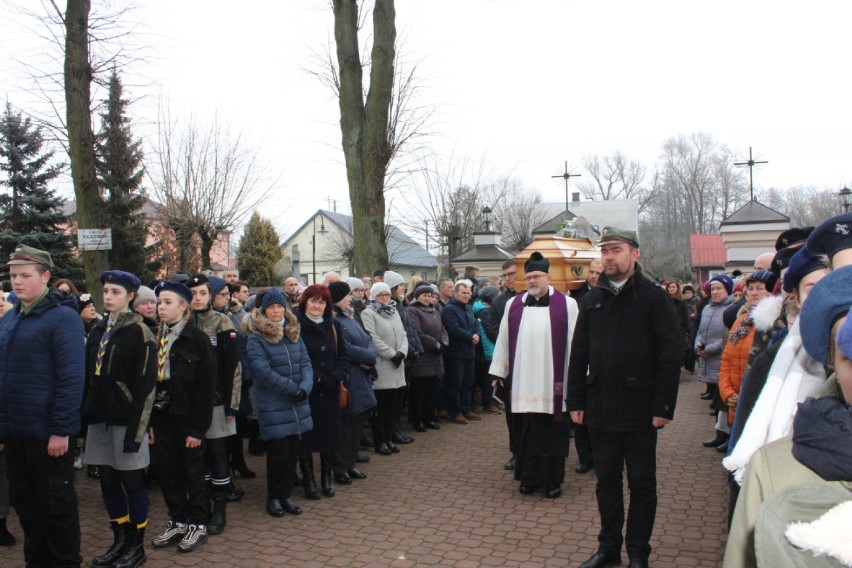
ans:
x=207 y=242
x=81 y=139
x=364 y=128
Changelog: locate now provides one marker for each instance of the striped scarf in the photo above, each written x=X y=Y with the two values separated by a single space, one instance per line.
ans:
x=742 y=330
x=102 y=350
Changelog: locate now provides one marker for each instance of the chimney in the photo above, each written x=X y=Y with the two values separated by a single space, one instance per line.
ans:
x=575 y=196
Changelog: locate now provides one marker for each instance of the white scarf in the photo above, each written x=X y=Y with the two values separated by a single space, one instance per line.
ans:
x=793 y=377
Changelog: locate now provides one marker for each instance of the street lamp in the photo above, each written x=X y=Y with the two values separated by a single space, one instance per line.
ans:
x=486 y=213
x=845 y=199
x=321 y=231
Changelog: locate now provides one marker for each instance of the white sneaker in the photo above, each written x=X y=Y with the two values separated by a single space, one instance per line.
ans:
x=173 y=533
x=78 y=459
x=195 y=536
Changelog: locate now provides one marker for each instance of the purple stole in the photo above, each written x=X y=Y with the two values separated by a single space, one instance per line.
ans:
x=559 y=337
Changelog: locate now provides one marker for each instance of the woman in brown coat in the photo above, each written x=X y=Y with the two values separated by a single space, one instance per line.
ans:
x=425 y=372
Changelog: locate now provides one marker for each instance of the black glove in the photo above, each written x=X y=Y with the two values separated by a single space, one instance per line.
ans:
x=300 y=395
x=397 y=359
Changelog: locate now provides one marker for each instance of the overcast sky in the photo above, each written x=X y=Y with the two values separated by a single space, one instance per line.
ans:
x=521 y=85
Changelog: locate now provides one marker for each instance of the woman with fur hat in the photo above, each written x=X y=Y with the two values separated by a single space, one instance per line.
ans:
x=329 y=355
x=806 y=477
x=382 y=322
x=283 y=377
x=121 y=373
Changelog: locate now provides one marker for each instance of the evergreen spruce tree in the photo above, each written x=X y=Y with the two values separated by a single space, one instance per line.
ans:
x=30 y=211
x=259 y=252
x=120 y=174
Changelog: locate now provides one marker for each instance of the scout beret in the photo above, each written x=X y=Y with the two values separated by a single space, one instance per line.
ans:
x=827 y=301
x=175 y=287
x=832 y=235
x=197 y=280
x=844 y=338
x=614 y=234
x=121 y=278
x=803 y=263
x=781 y=260
x=24 y=254
x=794 y=236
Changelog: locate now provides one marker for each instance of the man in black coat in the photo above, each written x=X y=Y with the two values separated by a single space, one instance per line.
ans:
x=622 y=384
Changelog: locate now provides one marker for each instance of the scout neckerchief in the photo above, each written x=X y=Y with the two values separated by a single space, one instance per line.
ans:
x=102 y=348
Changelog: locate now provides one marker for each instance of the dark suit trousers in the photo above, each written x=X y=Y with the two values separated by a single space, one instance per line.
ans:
x=611 y=451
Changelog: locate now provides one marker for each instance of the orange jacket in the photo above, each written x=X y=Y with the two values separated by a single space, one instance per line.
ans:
x=733 y=367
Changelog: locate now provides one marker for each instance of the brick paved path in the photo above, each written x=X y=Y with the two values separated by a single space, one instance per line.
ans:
x=445 y=500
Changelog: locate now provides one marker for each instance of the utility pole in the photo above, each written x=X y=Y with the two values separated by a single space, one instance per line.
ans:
x=566 y=176
x=751 y=163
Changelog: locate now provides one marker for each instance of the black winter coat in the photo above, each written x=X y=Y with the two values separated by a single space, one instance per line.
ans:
x=626 y=354
x=123 y=393
x=192 y=367
x=461 y=326
x=330 y=361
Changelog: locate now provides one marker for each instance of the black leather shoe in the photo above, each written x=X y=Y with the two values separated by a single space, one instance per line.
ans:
x=509 y=465
x=290 y=507
x=432 y=425
x=637 y=563
x=553 y=491
x=234 y=494
x=343 y=478
x=362 y=459
x=400 y=438
x=392 y=448
x=720 y=438
x=274 y=508
x=420 y=428
x=525 y=489
x=600 y=560
x=584 y=468
x=723 y=448
x=383 y=449
x=355 y=473
x=706 y=396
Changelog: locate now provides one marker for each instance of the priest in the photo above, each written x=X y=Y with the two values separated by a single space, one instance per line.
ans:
x=531 y=358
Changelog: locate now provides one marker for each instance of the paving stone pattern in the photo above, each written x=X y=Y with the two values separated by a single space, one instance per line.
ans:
x=445 y=500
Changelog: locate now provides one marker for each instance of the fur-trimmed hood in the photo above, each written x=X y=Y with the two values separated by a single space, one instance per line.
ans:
x=767 y=312
x=271 y=332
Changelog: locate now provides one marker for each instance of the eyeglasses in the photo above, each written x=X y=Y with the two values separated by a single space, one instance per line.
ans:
x=513 y=273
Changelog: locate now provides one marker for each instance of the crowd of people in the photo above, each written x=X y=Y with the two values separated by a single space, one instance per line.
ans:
x=165 y=383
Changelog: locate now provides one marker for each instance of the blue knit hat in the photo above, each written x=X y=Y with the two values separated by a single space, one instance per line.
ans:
x=827 y=301
x=725 y=281
x=271 y=297
x=803 y=263
x=216 y=284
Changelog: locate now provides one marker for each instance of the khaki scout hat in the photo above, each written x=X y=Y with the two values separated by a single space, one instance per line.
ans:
x=613 y=234
x=29 y=255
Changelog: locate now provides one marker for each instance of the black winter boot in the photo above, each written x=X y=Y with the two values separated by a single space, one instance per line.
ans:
x=327 y=475
x=216 y=525
x=719 y=439
x=134 y=552
x=6 y=538
x=306 y=464
x=120 y=534
x=256 y=447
